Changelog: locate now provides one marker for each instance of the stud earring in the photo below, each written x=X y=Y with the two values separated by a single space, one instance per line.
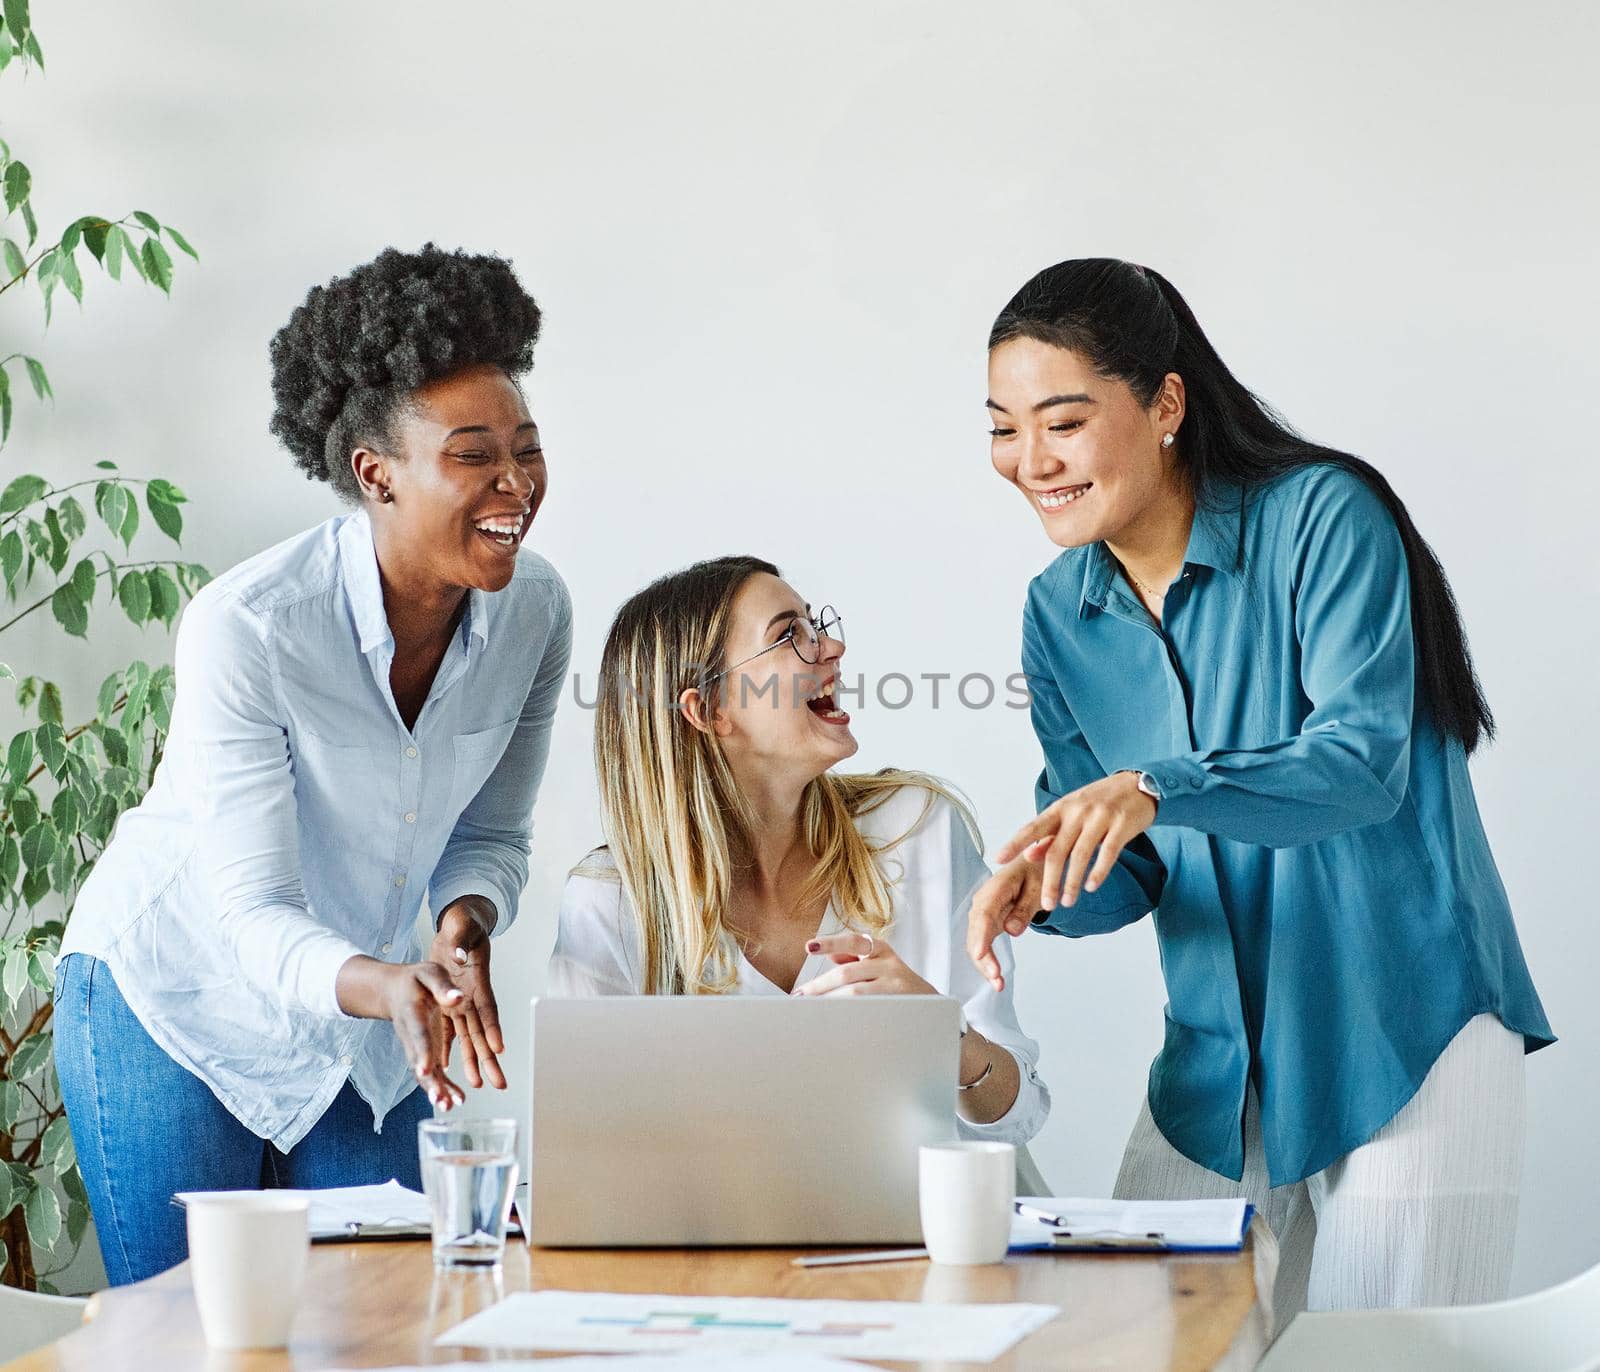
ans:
x=1167 y=440
x=385 y=495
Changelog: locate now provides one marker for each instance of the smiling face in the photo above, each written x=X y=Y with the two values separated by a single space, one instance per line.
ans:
x=1082 y=449
x=775 y=710
x=468 y=480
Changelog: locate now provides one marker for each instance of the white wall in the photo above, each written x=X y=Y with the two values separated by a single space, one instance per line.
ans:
x=769 y=242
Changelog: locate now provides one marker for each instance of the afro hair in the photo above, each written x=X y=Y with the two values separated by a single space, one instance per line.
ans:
x=350 y=356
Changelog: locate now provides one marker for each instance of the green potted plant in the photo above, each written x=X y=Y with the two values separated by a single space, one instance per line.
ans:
x=63 y=784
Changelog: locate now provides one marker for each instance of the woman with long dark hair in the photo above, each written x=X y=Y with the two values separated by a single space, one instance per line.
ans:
x=1256 y=704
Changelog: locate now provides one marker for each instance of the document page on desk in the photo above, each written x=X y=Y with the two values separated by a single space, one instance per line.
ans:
x=703 y=1327
x=1204 y=1224
x=667 y=1362
x=389 y=1208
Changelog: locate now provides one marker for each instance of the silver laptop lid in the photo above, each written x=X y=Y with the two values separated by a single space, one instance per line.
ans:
x=697 y=1120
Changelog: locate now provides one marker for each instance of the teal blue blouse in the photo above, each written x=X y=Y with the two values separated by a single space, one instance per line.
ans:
x=1326 y=905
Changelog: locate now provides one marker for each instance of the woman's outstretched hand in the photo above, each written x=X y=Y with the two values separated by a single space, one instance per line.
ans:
x=418 y=999
x=1100 y=818
x=1006 y=903
x=863 y=966
x=1048 y=861
x=461 y=949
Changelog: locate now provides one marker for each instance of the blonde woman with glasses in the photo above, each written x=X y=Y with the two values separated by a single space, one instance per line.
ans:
x=741 y=863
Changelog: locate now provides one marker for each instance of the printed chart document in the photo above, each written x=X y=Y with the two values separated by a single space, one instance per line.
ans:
x=707 y=1326
x=668 y=1362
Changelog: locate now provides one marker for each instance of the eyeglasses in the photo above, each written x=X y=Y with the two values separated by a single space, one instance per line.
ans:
x=805 y=637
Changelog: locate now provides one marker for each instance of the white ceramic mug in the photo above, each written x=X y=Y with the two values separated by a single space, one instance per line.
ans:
x=247 y=1260
x=966 y=1190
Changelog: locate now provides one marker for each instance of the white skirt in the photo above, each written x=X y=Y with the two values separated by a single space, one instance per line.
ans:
x=1423 y=1213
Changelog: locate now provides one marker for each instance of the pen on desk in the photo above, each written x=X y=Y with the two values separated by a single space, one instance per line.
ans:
x=1029 y=1212
x=840 y=1259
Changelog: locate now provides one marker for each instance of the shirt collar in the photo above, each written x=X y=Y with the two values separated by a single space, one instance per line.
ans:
x=364 y=589
x=1216 y=540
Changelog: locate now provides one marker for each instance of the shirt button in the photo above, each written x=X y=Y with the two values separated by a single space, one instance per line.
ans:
x=347 y=1060
x=410 y=817
x=1195 y=783
x=411 y=752
x=386 y=947
x=399 y=881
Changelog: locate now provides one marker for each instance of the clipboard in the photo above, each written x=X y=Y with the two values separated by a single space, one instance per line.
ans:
x=1166 y=1227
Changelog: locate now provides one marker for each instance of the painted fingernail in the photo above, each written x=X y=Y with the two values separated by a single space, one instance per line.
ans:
x=813 y=947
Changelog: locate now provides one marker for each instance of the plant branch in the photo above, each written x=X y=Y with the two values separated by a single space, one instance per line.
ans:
x=54 y=491
x=121 y=567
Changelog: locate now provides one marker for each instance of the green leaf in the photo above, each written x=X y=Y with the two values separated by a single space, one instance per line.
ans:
x=70 y=611
x=106 y=465
x=84 y=579
x=134 y=593
x=148 y=220
x=130 y=251
x=166 y=492
x=163 y=691
x=24 y=811
x=41 y=382
x=39 y=845
x=130 y=522
x=19 y=757
x=50 y=704
x=35 y=887
x=34 y=50
x=55 y=1145
x=114 y=744
x=180 y=240
x=112 y=261
x=16 y=262
x=77 y=1219
x=41 y=971
x=32 y=1054
x=105 y=702
x=29 y=222
x=10 y=1113
x=22 y=492
x=67 y=268
x=15 y=978
x=52 y=741
x=64 y=870
x=59 y=548
x=111 y=501
x=11 y=557
x=18 y=184
x=157 y=264
x=163 y=595
x=95 y=233
x=74 y=523
x=168 y=518
x=16 y=15
x=43 y=1213
x=66 y=811
x=72 y=236
x=10 y=862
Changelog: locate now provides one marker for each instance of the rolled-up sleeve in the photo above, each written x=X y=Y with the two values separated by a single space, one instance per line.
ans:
x=487 y=851
x=1348 y=765
x=992 y=1013
x=247 y=839
x=1135 y=883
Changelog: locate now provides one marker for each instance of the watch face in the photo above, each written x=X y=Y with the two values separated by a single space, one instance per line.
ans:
x=1148 y=786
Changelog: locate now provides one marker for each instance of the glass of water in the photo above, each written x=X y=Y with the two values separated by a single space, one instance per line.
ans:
x=469 y=1171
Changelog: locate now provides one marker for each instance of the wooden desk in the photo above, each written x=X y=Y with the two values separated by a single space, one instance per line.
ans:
x=378 y=1304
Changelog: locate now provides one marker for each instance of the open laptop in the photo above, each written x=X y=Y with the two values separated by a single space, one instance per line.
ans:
x=677 y=1121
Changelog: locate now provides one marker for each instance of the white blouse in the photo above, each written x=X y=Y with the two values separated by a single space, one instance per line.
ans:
x=933 y=874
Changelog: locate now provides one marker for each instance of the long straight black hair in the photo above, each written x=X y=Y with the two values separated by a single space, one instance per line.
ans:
x=1131 y=325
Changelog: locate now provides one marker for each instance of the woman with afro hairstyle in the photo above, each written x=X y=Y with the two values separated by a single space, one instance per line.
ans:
x=362 y=720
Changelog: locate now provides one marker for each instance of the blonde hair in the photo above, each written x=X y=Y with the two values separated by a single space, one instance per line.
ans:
x=673 y=811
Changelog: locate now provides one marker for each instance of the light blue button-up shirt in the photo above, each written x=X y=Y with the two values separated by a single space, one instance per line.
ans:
x=295 y=821
x=1326 y=905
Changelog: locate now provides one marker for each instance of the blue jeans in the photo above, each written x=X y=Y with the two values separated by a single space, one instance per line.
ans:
x=145 y=1127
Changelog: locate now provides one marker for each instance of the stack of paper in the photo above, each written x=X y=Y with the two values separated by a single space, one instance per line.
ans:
x=1155 y=1226
x=351 y=1212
